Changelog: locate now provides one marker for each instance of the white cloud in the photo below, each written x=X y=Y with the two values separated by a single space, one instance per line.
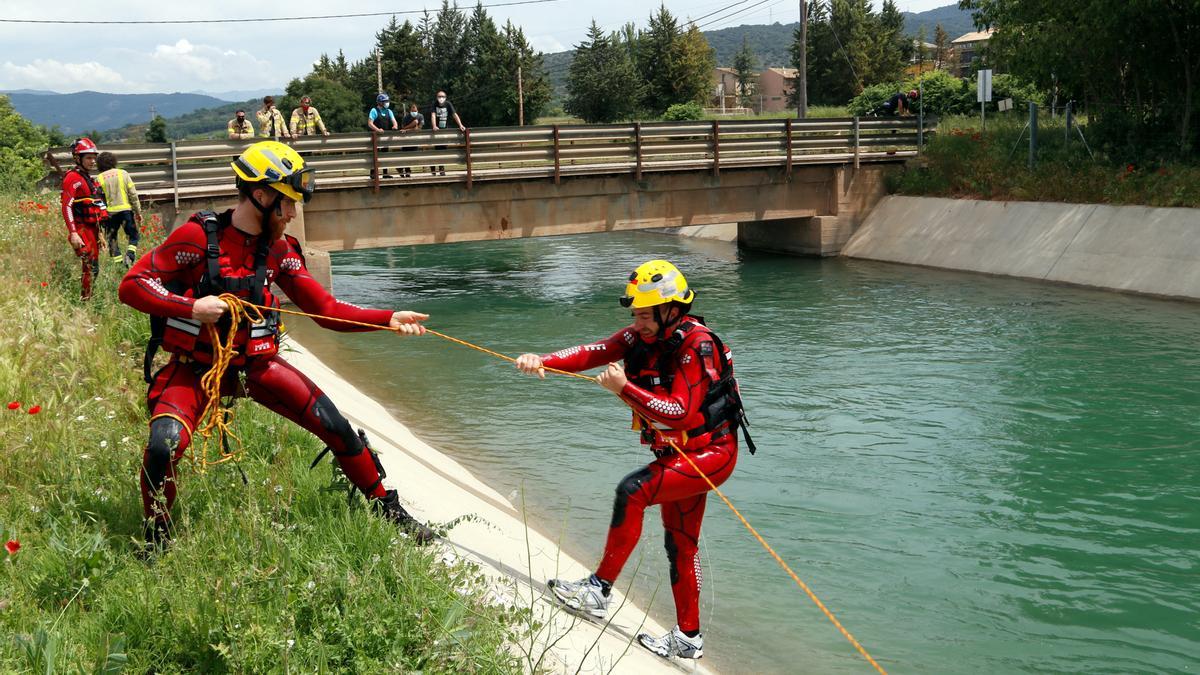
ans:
x=546 y=44
x=58 y=76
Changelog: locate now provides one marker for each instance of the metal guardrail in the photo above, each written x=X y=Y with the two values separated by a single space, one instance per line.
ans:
x=343 y=161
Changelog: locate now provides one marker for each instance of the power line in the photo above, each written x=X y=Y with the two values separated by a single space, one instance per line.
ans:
x=258 y=20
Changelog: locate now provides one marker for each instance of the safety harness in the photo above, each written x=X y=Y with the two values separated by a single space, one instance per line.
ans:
x=212 y=282
x=722 y=404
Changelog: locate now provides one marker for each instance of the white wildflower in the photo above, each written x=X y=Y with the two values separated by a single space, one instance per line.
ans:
x=80 y=418
x=104 y=444
x=310 y=585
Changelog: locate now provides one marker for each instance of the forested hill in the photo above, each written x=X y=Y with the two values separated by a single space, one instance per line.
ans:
x=84 y=110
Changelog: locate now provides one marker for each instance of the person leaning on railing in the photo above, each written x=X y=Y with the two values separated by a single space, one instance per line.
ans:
x=240 y=128
x=306 y=120
x=380 y=119
x=413 y=121
x=270 y=120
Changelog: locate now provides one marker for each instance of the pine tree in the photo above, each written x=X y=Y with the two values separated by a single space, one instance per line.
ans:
x=536 y=83
x=692 y=67
x=602 y=84
x=656 y=60
x=745 y=65
x=156 y=132
x=941 y=48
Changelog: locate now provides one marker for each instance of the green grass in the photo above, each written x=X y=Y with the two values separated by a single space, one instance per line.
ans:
x=275 y=575
x=964 y=161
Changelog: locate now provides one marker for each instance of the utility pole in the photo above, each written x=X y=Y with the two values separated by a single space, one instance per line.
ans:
x=520 y=99
x=378 y=73
x=153 y=112
x=802 y=76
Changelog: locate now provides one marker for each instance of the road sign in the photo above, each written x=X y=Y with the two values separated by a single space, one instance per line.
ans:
x=1004 y=104
x=983 y=86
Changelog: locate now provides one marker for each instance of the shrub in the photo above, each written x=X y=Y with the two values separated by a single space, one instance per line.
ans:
x=684 y=111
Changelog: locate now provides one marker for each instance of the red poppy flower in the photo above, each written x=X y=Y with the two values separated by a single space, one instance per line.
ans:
x=1128 y=168
x=44 y=284
x=12 y=546
x=35 y=410
x=13 y=405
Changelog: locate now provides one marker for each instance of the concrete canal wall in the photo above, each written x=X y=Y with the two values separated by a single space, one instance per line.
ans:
x=1137 y=249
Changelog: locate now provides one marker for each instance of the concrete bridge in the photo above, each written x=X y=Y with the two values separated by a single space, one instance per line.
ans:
x=796 y=186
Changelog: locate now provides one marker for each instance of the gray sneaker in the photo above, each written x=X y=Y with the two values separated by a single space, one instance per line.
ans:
x=585 y=596
x=674 y=643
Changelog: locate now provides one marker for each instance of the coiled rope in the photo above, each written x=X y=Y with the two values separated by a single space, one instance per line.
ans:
x=219 y=418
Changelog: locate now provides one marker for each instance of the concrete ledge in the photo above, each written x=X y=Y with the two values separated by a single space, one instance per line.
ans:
x=1154 y=251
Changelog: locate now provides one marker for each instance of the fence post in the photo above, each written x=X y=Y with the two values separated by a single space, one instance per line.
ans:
x=1033 y=124
x=920 y=117
x=1067 y=127
x=856 y=141
x=716 y=147
x=467 y=144
x=557 y=164
x=787 y=130
x=375 y=159
x=174 y=175
x=637 y=141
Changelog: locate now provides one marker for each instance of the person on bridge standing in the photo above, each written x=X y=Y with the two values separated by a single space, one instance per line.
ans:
x=441 y=112
x=243 y=251
x=124 y=208
x=83 y=210
x=413 y=121
x=306 y=121
x=381 y=119
x=270 y=120
x=240 y=128
x=677 y=376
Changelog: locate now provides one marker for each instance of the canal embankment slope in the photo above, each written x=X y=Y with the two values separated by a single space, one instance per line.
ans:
x=492 y=531
x=1137 y=249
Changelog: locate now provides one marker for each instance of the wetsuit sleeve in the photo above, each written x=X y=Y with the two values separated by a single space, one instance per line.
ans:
x=680 y=408
x=70 y=188
x=585 y=357
x=312 y=298
x=178 y=259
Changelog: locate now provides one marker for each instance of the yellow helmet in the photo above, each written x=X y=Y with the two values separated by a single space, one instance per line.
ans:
x=278 y=166
x=656 y=283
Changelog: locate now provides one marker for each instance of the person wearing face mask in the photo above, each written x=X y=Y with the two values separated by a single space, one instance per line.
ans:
x=677 y=376
x=244 y=252
x=240 y=128
x=382 y=119
x=270 y=120
x=441 y=112
x=306 y=121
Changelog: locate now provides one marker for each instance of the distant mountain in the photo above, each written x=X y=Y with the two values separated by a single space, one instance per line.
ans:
x=238 y=95
x=86 y=110
x=28 y=91
x=957 y=22
x=200 y=123
x=771 y=43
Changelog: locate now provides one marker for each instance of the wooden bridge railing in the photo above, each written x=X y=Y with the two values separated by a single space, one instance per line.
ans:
x=201 y=168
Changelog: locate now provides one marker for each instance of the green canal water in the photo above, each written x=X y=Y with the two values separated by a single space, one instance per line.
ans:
x=975 y=474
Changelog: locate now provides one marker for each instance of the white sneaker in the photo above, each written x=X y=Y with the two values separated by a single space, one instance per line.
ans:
x=585 y=596
x=674 y=643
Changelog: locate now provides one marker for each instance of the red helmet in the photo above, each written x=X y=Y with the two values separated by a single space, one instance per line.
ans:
x=914 y=94
x=83 y=146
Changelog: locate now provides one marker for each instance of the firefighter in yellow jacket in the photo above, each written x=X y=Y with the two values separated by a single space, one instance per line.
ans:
x=306 y=121
x=124 y=209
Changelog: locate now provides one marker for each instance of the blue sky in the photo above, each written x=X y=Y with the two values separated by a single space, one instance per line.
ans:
x=235 y=57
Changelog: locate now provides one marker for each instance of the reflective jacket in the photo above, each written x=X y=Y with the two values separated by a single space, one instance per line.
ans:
x=120 y=194
x=270 y=123
x=240 y=131
x=307 y=123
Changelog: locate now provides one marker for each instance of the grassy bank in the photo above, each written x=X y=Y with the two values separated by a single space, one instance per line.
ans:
x=274 y=575
x=964 y=161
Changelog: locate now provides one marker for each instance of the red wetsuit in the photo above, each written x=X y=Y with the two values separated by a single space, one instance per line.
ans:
x=83 y=210
x=175 y=398
x=675 y=377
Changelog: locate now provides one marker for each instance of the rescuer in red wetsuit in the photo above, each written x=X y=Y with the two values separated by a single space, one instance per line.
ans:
x=242 y=251
x=678 y=377
x=83 y=210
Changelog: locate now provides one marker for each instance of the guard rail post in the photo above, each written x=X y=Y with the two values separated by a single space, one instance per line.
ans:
x=856 y=132
x=637 y=146
x=467 y=147
x=375 y=159
x=716 y=148
x=174 y=175
x=557 y=161
x=787 y=131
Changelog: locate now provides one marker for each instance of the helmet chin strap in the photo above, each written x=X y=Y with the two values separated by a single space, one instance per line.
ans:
x=660 y=319
x=276 y=206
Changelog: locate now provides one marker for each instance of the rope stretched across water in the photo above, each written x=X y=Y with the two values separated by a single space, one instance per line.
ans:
x=219 y=419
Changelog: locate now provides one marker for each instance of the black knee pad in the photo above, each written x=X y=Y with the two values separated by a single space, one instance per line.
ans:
x=672 y=555
x=166 y=433
x=628 y=486
x=332 y=420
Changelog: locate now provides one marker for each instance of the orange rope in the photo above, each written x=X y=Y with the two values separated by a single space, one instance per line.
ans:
x=234 y=301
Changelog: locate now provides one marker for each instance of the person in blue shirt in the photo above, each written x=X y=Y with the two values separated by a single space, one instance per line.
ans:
x=382 y=119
